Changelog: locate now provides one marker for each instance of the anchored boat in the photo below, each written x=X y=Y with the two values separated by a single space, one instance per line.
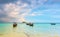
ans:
x=15 y=24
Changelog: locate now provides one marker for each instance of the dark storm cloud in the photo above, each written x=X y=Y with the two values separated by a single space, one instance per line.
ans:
x=6 y=1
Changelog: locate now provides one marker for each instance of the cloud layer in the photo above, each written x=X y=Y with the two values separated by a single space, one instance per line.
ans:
x=6 y=1
x=18 y=10
x=13 y=10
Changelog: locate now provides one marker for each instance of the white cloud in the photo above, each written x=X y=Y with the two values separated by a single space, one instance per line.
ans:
x=11 y=9
x=18 y=2
x=14 y=11
x=38 y=13
x=0 y=10
x=19 y=10
x=5 y=19
x=34 y=3
x=37 y=3
x=33 y=14
x=56 y=16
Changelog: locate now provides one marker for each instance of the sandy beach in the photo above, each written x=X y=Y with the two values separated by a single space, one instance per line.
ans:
x=13 y=34
x=21 y=34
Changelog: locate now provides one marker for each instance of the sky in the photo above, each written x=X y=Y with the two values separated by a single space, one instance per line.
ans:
x=30 y=10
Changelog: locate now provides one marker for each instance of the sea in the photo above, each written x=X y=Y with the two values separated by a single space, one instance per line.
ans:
x=38 y=29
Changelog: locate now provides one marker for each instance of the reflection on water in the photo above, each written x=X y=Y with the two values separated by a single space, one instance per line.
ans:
x=38 y=30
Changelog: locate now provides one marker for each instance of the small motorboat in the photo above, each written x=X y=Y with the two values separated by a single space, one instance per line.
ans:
x=15 y=25
x=23 y=22
x=30 y=24
x=53 y=23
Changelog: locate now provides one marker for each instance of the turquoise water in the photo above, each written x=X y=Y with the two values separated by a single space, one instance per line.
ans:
x=38 y=28
x=5 y=28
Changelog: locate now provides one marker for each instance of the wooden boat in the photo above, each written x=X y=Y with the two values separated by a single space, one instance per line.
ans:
x=15 y=25
x=30 y=24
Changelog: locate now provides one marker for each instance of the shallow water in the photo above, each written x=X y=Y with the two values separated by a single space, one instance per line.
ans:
x=37 y=30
